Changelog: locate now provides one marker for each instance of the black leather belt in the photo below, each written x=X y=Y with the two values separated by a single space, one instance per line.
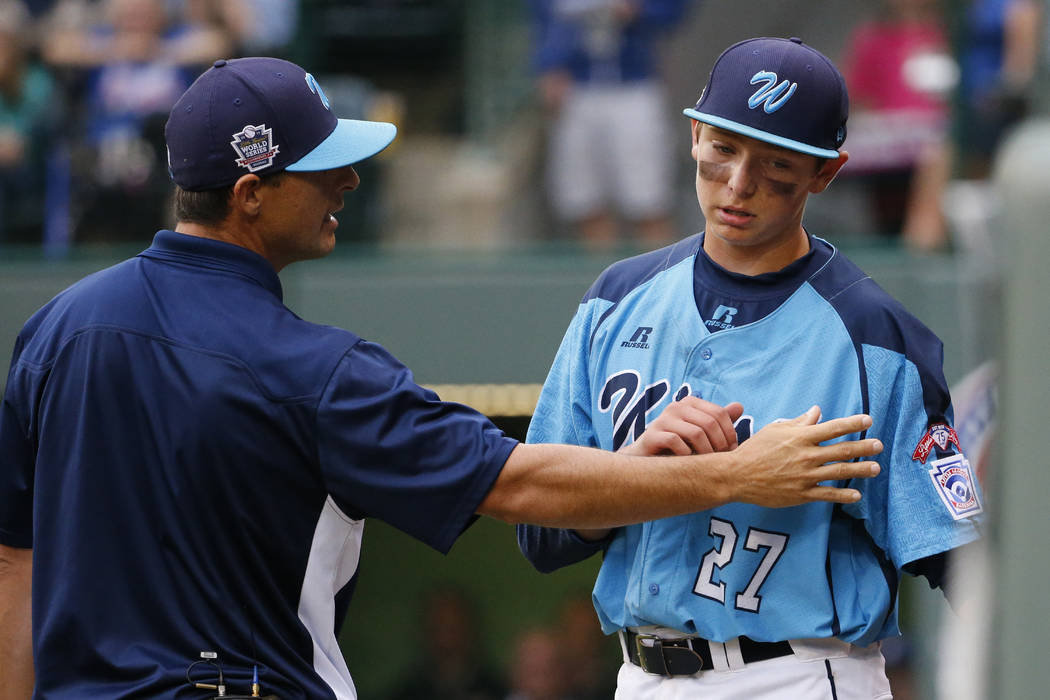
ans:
x=684 y=657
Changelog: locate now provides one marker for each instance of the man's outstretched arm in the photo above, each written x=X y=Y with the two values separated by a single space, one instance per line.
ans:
x=781 y=465
x=16 y=646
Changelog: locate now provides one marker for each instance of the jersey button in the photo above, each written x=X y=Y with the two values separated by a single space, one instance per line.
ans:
x=654 y=588
x=706 y=353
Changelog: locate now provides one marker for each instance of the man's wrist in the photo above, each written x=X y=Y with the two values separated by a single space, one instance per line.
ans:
x=718 y=477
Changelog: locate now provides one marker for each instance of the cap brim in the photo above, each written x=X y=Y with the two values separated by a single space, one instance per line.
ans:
x=754 y=133
x=351 y=141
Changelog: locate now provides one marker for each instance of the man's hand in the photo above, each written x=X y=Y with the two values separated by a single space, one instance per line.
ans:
x=689 y=426
x=785 y=461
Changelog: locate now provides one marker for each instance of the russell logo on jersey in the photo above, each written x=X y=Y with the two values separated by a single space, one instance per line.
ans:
x=722 y=318
x=639 y=340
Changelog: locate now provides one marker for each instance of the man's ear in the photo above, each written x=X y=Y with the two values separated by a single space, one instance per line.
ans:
x=697 y=126
x=245 y=198
x=828 y=171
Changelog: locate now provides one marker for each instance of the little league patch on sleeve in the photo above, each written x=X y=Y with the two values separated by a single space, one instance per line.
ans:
x=939 y=434
x=254 y=145
x=954 y=482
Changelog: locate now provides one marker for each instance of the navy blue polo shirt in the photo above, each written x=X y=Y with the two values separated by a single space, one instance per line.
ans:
x=191 y=464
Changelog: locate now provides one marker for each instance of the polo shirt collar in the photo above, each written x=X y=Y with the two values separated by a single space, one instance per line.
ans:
x=216 y=255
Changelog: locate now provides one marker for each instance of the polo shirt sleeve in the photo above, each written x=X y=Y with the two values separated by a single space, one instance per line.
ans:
x=390 y=449
x=16 y=446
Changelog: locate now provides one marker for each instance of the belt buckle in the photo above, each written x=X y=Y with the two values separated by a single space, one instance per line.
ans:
x=640 y=648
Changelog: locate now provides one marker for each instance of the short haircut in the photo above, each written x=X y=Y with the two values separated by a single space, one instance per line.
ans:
x=202 y=206
x=211 y=207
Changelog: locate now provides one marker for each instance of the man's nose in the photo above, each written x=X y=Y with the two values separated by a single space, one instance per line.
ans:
x=350 y=179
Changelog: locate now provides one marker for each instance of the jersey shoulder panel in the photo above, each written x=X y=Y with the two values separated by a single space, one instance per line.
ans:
x=875 y=319
x=871 y=314
x=622 y=277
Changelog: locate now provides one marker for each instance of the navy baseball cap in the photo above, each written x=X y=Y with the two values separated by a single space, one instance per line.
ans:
x=779 y=91
x=261 y=115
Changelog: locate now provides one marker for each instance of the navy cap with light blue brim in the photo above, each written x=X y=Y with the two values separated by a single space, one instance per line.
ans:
x=261 y=115
x=352 y=141
x=779 y=91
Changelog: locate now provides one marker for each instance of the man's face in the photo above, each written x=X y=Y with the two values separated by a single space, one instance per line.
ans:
x=753 y=193
x=296 y=220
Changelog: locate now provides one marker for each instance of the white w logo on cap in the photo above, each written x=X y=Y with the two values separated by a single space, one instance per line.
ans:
x=315 y=88
x=771 y=94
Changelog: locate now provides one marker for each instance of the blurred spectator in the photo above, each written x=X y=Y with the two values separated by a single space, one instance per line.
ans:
x=591 y=658
x=1000 y=54
x=255 y=27
x=900 y=72
x=999 y=48
x=609 y=143
x=453 y=665
x=38 y=8
x=538 y=669
x=29 y=109
x=127 y=61
x=95 y=33
x=260 y=27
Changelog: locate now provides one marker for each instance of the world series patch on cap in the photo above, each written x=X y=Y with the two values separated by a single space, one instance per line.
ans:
x=779 y=91
x=261 y=115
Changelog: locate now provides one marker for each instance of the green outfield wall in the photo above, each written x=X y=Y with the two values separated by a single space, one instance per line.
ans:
x=497 y=317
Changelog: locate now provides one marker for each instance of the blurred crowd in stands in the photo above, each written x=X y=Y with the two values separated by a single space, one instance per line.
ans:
x=85 y=87
x=934 y=87
x=930 y=105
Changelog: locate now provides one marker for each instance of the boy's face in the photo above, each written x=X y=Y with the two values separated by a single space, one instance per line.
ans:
x=753 y=193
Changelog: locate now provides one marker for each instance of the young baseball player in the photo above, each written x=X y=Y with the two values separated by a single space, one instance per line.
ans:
x=187 y=464
x=740 y=601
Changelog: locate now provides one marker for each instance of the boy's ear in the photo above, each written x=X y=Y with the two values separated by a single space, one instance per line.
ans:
x=696 y=137
x=828 y=171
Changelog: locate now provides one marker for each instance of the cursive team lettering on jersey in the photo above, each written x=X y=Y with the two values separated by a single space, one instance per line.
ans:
x=630 y=404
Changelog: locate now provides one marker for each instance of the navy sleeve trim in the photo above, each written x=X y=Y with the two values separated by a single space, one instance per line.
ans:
x=549 y=548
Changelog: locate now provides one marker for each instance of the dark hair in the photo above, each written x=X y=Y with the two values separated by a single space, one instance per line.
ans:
x=202 y=206
x=211 y=207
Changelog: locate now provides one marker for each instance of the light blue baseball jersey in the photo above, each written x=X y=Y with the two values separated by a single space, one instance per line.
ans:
x=820 y=332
